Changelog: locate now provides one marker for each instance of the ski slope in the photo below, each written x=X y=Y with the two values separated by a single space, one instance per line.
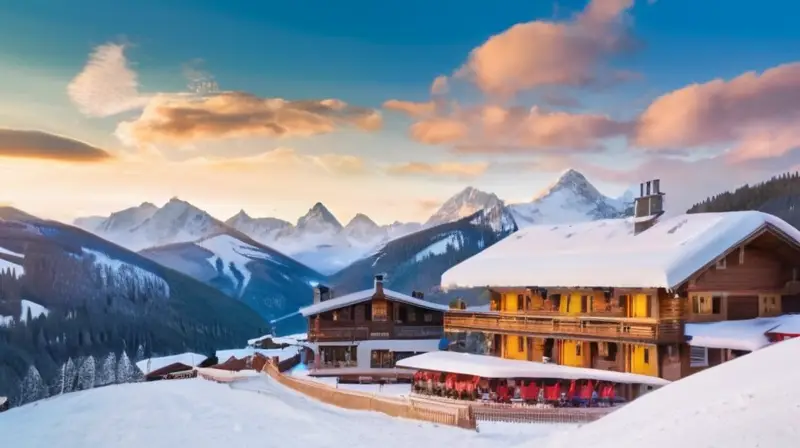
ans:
x=204 y=414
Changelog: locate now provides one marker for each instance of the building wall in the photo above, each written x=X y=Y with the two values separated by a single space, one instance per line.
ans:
x=364 y=348
x=574 y=353
x=510 y=302
x=643 y=359
x=761 y=270
x=515 y=347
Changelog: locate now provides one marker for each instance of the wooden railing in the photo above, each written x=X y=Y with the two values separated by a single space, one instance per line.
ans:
x=587 y=326
x=377 y=331
x=459 y=415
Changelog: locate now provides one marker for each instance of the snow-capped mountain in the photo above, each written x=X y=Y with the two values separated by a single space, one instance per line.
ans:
x=99 y=299
x=147 y=225
x=463 y=204
x=571 y=198
x=271 y=283
x=417 y=261
x=319 y=240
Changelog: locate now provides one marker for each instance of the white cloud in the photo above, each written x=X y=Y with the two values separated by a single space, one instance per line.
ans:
x=107 y=85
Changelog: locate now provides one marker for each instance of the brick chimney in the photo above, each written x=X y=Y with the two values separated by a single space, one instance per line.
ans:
x=379 y=284
x=322 y=293
x=649 y=206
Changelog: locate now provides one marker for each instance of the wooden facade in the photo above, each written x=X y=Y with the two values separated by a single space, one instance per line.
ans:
x=641 y=330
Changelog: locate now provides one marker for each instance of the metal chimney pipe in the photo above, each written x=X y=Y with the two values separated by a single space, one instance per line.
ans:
x=648 y=188
x=657 y=186
x=641 y=190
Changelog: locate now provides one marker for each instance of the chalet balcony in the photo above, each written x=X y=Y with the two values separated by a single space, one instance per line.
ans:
x=600 y=325
x=374 y=330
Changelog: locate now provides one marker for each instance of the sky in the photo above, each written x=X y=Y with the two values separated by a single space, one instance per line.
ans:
x=387 y=108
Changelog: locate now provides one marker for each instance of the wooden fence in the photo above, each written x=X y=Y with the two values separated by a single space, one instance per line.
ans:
x=442 y=413
x=500 y=412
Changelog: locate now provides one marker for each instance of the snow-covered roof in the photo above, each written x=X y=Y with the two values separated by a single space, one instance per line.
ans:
x=151 y=364
x=365 y=295
x=259 y=339
x=750 y=334
x=494 y=367
x=607 y=253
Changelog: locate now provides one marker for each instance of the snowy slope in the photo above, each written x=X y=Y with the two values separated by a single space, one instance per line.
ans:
x=6 y=265
x=571 y=198
x=198 y=413
x=35 y=310
x=271 y=283
x=752 y=401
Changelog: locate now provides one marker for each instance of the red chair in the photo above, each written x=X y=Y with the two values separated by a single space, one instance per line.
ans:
x=552 y=393
x=571 y=390
x=502 y=393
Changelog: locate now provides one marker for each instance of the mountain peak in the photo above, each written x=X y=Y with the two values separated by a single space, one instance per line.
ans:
x=571 y=180
x=464 y=203
x=318 y=219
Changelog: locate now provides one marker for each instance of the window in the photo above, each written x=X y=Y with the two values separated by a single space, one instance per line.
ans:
x=584 y=304
x=698 y=357
x=380 y=311
x=716 y=304
x=695 y=305
x=612 y=351
x=602 y=349
x=646 y=355
x=741 y=255
x=578 y=349
x=722 y=263
x=520 y=344
x=412 y=315
x=520 y=302
x=428 y=317
x=555 y=301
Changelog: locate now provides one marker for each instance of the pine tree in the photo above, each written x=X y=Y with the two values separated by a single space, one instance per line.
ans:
x=86 y=373
x=32 y=387
x=69 y=375
x=107 y=371
x=125 y=370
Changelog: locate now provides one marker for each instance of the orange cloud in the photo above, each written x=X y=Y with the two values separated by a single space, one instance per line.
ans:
x=434 y=131
x=756 y=114
x=440 y=85
x=181 y=119
x=411 y=108
x=539 y=53
x=498 y=129
x=285 y=158
x=445 y=169
x=42 y=145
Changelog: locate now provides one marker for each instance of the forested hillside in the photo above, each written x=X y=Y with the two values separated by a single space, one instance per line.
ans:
x=77 y=311
x=779 y=196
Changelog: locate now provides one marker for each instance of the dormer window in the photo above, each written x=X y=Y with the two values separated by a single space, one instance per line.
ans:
x=722 y=263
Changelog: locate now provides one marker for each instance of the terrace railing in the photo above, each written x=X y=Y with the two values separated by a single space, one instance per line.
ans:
x=375 y=331
x=588 y=326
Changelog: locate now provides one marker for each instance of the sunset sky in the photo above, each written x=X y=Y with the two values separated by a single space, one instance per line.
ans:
x=387 y=108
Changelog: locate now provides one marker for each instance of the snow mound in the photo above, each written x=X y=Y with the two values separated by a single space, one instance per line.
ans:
x=201 y=413
x=752 y=401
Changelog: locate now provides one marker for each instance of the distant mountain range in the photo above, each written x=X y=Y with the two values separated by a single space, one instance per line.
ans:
x=320 y=241
x=67 y=296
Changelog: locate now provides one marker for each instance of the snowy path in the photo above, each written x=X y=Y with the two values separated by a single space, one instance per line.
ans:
x=201 y=413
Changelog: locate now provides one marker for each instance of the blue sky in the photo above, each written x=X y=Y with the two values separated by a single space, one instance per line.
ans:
x=365 y=53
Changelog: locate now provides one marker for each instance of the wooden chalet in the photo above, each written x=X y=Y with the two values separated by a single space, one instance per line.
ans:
x=618 y=294
x=174 y=366
x=368 y=331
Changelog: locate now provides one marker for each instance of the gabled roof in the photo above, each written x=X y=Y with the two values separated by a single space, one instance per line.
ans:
x=366 y=295
x=607 y=253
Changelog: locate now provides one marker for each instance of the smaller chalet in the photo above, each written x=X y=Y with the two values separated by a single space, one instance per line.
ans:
x=367 y=332
x=171 y=367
